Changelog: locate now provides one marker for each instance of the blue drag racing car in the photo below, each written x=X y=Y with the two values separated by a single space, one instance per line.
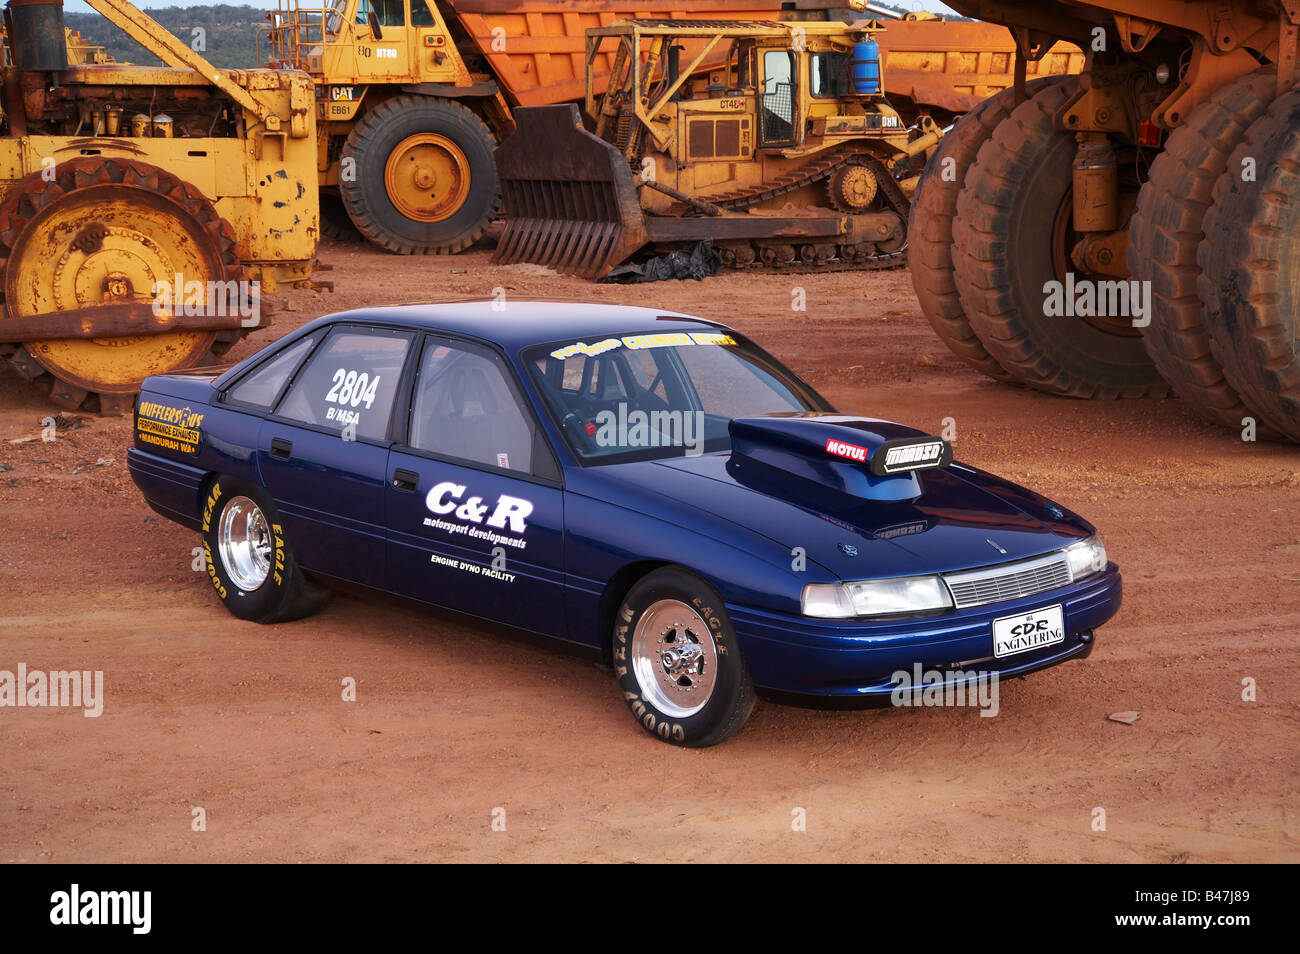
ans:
x=649 y=485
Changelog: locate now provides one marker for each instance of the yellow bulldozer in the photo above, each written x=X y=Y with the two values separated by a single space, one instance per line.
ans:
x=787 y=156
x=143 y=210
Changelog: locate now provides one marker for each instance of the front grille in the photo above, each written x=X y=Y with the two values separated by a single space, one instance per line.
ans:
x=1009 y=581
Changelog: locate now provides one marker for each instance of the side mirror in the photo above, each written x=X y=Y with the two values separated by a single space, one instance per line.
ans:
x=375 y=30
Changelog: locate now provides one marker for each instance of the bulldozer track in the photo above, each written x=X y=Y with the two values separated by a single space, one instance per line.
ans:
x=811 y=173
x=876 y=263
x=880 y=262
x=797 y=179
x=814 y=172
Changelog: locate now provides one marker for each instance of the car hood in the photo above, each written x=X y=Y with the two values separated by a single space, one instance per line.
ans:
x=780 y=482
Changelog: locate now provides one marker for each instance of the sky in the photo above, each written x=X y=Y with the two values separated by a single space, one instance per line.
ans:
x=77 y=6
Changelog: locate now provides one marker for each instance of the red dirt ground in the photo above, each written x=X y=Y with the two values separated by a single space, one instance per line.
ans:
x=455 y=718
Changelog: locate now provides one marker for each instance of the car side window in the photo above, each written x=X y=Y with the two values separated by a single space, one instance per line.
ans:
x=349 y=383
x=261 y=386
x=466 y=405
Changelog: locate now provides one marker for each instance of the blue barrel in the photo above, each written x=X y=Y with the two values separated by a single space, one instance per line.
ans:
x=866 y=68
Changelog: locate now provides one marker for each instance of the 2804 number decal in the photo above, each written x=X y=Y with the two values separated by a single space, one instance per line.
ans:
x=352 y=388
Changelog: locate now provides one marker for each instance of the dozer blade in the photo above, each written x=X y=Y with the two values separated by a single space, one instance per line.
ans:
x=570 y=199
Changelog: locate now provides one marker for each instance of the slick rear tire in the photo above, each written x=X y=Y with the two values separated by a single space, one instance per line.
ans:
x=248 y=560
x=1250 y=261
x=451 y=198
x=929 y=232
x=1009 y=244
x=678 y=662
x=1167 y=229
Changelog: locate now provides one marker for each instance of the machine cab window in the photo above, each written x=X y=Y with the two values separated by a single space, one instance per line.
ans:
x=387 y=12
x=830 y=75
x=778 y=96
x=422 y=13
x=740 y=65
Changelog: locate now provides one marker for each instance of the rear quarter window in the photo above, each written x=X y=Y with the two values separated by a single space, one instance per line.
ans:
x=350 y=380
x=261 y=386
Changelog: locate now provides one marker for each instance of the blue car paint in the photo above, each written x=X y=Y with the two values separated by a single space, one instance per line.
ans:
x=732 y=517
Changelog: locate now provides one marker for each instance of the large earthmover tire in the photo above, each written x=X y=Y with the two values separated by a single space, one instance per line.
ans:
x=1011 y=238
x=1166 y=231
x=1250 y=262
x=108 y=230
x=334 y=220
x=419 y=176
x=929 y=232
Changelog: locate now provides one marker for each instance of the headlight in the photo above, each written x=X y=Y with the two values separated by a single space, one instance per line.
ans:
x=914 y=594
x=1087 y=557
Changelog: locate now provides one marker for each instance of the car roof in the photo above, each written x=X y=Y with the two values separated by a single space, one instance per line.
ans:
x=518 y=322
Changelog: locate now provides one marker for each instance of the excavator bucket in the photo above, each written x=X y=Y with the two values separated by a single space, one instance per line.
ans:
x=569 y=196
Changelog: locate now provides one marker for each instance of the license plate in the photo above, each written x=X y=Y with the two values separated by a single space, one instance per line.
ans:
x=1026 y=631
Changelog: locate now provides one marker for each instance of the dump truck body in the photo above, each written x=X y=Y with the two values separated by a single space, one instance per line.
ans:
x=1165 y=173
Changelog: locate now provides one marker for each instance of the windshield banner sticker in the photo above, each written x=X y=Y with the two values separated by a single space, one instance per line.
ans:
x=671 y=339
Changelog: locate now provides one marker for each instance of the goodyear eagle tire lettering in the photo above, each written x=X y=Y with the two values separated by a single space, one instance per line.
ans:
x=731 y=698
x=284 y=593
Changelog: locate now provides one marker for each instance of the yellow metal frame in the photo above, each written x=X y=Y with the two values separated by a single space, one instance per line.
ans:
x=328 y=43
x=639 y=65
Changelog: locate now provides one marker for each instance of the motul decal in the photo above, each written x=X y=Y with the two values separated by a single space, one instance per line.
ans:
x=850 y=451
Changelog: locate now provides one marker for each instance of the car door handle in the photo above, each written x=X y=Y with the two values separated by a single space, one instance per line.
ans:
x=281 y=449
x=405 y=480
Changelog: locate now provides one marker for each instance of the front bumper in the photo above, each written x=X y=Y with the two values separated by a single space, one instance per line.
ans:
x=855 y=659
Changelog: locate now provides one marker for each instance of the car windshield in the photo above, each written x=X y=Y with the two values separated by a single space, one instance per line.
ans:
x=660 y=394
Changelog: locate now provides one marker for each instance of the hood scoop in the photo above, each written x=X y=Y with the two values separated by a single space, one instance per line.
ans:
x=860 y=457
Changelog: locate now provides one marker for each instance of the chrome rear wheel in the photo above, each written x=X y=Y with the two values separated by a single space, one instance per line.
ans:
x=244 y=543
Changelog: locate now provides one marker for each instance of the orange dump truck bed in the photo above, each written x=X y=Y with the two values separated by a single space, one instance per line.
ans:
x=535 y=48
x=955 y=65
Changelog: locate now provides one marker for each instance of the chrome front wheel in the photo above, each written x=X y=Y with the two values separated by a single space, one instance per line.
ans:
x=674 y=658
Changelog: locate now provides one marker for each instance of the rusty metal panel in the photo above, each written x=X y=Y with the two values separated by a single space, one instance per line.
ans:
x=956 y=65
x=569 y=199
x=726 y=135
x=699 y=139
